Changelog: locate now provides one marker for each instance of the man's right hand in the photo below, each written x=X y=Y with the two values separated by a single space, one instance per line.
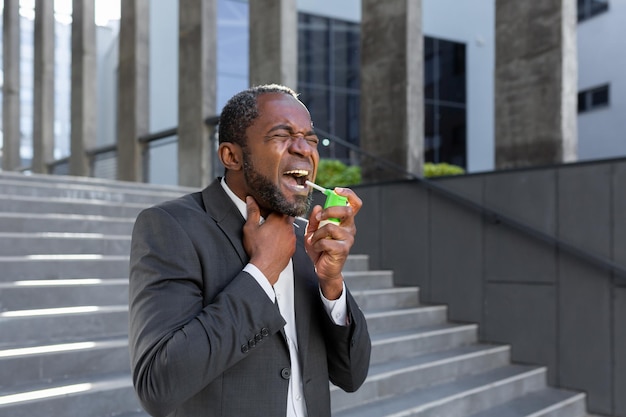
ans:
x=269 y=245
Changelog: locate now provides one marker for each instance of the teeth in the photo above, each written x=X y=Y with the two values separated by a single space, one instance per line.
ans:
x=297 y=172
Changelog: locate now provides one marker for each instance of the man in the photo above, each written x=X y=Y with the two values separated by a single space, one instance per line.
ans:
x=237 y=306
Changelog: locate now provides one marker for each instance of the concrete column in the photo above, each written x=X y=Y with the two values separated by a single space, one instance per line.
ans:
x=197 y=78
x=11 y=86
x=132 y=88
x=273 y=56
x=535 y=83
x=392 y=98
x=83 y=97
x=43 y=87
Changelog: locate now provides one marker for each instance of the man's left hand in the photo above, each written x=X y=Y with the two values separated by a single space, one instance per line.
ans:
x=329 y=245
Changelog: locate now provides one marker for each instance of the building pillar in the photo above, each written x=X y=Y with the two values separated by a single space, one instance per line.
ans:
x=83 y=82
x=197 y=79
x=273 y=56
x=392 y=98
x=11 y=86
x=132 y=89
x=535 y=83
x=43 y=87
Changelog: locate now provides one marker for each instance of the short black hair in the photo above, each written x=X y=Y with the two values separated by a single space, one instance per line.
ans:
x=241 y=111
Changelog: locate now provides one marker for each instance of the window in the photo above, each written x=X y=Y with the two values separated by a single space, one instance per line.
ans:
x=590 y=8
x=593 y=98
x=445 y=102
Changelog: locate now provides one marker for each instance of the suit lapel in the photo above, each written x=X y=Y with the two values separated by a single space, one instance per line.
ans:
x=220 y=207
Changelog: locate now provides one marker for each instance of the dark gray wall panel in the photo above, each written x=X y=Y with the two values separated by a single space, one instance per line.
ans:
x=512 y=256
x=619 y=389
x=368 y=224
x=457 y=253
x=404 y=232
x=527 y=196
x=585 y=332
x=619 y=214
x=525 y=317
x=585 y=206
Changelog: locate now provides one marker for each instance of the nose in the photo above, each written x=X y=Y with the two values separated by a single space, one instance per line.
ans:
x=300 y=146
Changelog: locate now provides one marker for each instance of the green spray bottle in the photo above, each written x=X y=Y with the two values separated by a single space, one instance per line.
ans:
x=332 y=199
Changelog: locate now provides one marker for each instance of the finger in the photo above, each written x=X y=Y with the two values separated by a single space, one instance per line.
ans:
x=314 y=219
x=252 y=208
x=345 y=214
x=353 y=200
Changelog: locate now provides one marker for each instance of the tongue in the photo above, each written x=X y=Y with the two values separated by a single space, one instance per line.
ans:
x=291 y=180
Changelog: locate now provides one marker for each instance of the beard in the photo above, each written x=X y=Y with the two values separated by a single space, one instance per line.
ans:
x=269 y=196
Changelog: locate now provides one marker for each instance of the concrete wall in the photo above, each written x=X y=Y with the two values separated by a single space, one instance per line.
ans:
x=554 y=309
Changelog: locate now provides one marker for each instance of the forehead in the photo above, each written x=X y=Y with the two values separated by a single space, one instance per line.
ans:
x=279 y=108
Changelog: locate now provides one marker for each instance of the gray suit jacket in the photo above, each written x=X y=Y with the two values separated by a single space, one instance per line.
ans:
x=205 y=340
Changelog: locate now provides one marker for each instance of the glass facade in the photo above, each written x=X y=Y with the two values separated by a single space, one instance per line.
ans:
x=328 y=80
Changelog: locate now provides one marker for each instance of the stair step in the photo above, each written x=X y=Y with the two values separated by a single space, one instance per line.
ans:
x=106 y=396
x=389 y=346
x=367 y=280
x=405 y=319
x=71 y=324
x=461 y=397
x=38 y=294
x=400 y=376
x=548 y=402
x=21 y=367
x=357 y=263
x=19 y=204
x=17 y=244
x=53 y=266
x=85 y=192
x=64 y=223
x=387 y=298
x=68 y=180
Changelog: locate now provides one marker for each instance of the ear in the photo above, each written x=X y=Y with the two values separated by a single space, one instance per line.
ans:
x=231 y=155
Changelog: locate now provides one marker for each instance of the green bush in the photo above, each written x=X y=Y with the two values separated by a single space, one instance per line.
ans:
x=441 y=169
x=334 y=173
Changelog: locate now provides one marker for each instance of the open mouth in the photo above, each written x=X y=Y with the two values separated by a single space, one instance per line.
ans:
x=297 y=178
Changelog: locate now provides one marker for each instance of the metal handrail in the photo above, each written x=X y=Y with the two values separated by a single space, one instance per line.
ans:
x=492 y=215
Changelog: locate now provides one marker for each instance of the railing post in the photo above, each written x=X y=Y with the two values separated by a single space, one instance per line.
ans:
x=83 y=96
x=197 y=78
x=11 y=86
x=132 y=89
x=43 y=90
x=273 y=55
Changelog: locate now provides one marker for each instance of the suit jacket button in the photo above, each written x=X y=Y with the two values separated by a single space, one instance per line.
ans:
x=251 y=343
x=244 y=348
x=265 y=332
x=285 y=373
x=258 y=337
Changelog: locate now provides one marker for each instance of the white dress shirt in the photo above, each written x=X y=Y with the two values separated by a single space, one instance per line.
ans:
x=283 y=293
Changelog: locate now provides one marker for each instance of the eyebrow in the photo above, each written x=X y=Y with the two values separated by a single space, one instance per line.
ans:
x=290 y=130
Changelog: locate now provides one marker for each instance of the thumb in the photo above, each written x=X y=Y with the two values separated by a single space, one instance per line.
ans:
x=252 y=208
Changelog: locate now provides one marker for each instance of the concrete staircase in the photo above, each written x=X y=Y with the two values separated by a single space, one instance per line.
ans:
x=64 y=246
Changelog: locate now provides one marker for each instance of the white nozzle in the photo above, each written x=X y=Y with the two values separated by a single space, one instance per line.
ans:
x=317 y=187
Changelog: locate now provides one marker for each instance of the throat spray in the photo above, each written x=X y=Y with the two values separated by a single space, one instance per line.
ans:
x=332 y=199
